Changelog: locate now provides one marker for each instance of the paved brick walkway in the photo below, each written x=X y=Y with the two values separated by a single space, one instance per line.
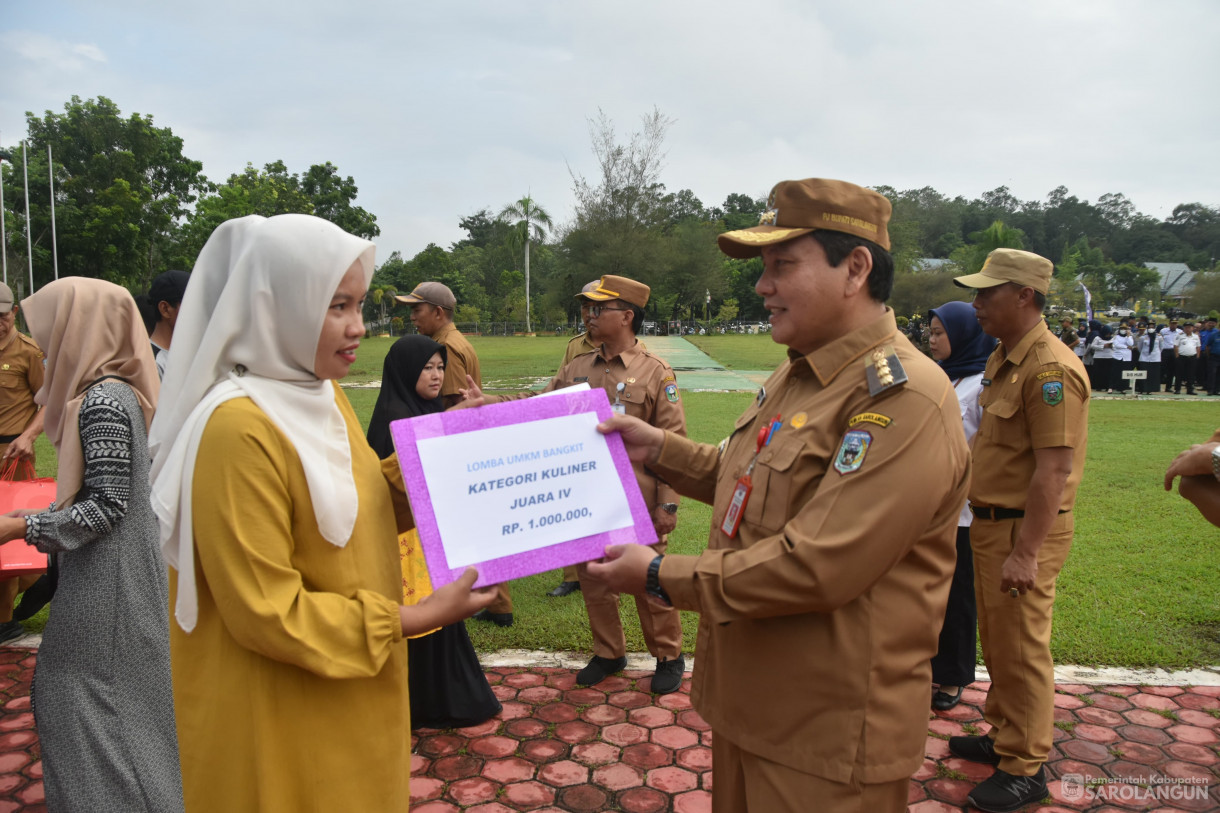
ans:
x=557 y=747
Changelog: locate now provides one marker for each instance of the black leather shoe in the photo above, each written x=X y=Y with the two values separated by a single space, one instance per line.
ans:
x=499 y=619
x=943 y=701
x=599 y=669
x=668 y=677
x=1003 y=793
x=11 y=631
x=976 y=749
x=565 y=589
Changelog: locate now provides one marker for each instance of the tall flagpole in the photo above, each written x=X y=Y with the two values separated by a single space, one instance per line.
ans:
x=54 y=247
x=3 y=238
x=29 y=245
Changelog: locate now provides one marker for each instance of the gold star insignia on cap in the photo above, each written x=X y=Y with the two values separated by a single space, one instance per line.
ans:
x=768 y=217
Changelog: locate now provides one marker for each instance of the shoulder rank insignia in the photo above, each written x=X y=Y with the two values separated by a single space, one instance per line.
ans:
x=852 y=450
x=884 y=371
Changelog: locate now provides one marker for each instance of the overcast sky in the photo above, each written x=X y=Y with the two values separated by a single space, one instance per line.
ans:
x=440 y=109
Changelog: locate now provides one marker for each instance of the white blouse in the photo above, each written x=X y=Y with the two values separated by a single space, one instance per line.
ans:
x=968 y=390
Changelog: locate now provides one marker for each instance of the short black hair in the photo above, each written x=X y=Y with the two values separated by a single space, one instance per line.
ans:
x=637 y=318
x=838 y=245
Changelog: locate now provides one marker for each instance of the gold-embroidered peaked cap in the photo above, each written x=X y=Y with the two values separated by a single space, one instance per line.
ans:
x=615 y=287
x=800 y=207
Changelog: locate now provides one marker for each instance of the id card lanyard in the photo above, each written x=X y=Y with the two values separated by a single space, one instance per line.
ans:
x=741 y=494
x=618 y=406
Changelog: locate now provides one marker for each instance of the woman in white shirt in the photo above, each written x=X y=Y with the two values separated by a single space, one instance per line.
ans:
x=1149 y=345
x=961 y=347
x=1103 y=359
x=1123 y=342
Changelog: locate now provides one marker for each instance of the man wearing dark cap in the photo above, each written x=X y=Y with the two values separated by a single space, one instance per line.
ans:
x=642 y=385
x=432 y=305
x=21 y=375
x=1028 y=462
x=835 y=506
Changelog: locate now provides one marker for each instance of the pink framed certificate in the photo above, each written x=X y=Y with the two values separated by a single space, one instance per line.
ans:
x=519 y=487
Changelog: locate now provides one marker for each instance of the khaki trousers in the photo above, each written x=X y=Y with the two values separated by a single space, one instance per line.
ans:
x=747 y=783
x=1016 y=638
x=662 y=626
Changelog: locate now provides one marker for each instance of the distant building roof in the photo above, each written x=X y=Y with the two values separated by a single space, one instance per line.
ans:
x=1176 y=278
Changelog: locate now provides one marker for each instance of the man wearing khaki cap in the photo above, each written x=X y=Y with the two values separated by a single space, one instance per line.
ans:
x=835 y=502
x=1028 y=461
x=432 y=305
x=642 y=385
x=21 y=374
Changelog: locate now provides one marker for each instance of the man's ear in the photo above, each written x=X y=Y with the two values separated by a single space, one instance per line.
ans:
x=859 y=266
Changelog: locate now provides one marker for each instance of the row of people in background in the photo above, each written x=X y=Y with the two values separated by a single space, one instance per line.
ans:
x=1173 y=356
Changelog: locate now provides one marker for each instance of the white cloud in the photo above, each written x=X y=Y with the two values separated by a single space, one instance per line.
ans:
x=51 y=54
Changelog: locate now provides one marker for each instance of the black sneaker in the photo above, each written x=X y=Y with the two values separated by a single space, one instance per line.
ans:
x=668 y=677
x=976 y=749
x=599 y=669
x=499 y=619
x=1004 y=793
x=11 y=631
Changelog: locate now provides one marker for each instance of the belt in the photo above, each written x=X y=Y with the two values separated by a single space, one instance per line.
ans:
x=8 y=438
x=986 y=512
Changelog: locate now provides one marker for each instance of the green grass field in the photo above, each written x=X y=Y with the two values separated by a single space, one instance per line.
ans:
x=1139 y=589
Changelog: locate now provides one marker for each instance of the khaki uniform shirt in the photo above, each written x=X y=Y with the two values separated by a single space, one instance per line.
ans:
x=579 y=344
x=21 y=374
x=462 y=360
x=1035 y=396
x=650 y=393
x=819 y=619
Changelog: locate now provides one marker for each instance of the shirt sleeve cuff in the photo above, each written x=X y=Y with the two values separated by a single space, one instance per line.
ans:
x=677 y=577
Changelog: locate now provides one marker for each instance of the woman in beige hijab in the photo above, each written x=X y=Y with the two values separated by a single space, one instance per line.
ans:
x=281 y=527
x=103 y=700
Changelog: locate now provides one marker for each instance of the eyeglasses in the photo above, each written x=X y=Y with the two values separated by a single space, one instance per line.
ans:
x=597 y=310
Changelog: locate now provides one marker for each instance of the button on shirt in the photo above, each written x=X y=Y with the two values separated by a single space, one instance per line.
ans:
x=1035 y=396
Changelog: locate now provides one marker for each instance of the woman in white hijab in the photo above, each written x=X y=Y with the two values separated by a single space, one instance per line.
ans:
x=281 y=526
x=102 y=696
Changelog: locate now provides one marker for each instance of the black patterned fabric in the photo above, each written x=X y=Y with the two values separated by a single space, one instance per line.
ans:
x=104 y=703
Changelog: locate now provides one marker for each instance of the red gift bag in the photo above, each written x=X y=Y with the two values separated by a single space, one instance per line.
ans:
x=16 y=557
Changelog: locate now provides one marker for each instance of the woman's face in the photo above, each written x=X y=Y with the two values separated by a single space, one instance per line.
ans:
x=429 y=384
x=342 y=328
x=938 y=340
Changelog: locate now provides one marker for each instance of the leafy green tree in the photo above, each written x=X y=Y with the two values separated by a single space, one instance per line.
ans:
x=273 y=190
x=122 y=185
x=530 y=222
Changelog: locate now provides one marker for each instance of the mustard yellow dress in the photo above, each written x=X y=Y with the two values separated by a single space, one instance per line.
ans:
x=292 y=688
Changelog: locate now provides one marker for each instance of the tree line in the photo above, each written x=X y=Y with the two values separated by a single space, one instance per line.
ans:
x=129 y=204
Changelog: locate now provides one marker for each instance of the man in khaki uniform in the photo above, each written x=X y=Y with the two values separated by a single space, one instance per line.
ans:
x=1028 y=462
x=643 y=386
x=21 y=375
x=824 y=585
x=432 y=305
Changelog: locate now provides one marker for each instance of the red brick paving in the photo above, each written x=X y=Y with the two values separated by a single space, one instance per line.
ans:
x=615 y=746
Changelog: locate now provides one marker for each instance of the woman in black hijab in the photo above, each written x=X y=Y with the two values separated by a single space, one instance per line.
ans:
x=447 y=686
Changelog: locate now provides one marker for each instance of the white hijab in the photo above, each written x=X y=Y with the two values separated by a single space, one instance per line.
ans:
x=249 y=326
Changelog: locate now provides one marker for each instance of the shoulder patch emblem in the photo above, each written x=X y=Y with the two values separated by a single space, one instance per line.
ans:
x=671 y=393
x=1052 y=393
x=1049 y=374
x=870 y=417
x=852 y=450
x=798 y=420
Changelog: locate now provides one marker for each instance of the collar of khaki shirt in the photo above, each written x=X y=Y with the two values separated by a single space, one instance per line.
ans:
x=1018 y=353
x=627 y=356
x=828 y=361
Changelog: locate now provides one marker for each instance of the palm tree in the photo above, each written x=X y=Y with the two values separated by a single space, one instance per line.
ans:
x=530 y=221
x=382 y=295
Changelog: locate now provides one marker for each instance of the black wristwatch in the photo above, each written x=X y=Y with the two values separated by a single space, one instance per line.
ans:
x=652 y=586
x=668 y=507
